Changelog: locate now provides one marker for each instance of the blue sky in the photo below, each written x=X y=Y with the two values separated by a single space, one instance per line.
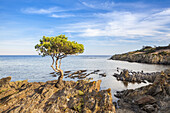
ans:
x=105 y=27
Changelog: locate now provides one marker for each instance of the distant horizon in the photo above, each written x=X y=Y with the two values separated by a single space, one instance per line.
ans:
x=102 y=26
x=67 y=55
x=75 y=55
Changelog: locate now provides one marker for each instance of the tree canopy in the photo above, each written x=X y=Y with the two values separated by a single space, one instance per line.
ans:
x=58 y=46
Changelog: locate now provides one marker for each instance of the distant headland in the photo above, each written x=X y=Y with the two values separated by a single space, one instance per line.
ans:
x=148 y=54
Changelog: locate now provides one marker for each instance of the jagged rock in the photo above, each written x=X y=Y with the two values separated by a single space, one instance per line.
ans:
x=153 y=98
x=150 y=108
x=124 y=111
x=153 y=56
x=4 y=81
x=72 y=97
x=131 y=76
x=7 y=93
x=167 y=88
x=67 y=71
x=103 y=74
x=146 y=100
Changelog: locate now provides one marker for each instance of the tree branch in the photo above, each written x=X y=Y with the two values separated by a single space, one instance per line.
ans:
x=53 y=64
x=60 y=64
x=56 y=63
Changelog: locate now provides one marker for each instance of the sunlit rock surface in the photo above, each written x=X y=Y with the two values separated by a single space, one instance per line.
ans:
x=44 y=97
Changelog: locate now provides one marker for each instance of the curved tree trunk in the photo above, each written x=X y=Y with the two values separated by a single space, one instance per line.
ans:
x=60 y=71
x=60 y=78
x=57 y=69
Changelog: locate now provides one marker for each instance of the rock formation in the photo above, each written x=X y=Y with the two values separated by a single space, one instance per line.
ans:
x=39 y=97
x=153 y=98
x=158 y=55
x=132 y=76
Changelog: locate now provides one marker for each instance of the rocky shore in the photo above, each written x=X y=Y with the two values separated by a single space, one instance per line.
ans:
x=80 y=74
x=153 y=98
x=158 y=55
x=43 y=97
x=84 y=96
x=138 y=77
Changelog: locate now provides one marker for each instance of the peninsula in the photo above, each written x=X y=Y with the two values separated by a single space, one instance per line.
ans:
x=148 y=54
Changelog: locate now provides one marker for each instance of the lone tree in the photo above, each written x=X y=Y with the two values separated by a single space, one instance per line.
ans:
x=58 y=47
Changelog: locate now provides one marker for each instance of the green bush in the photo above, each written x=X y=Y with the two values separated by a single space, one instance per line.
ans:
x=164 y=53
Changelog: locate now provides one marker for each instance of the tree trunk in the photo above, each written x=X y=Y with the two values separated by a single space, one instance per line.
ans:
x=58 y=69
x=53 y=64
x=60 y=79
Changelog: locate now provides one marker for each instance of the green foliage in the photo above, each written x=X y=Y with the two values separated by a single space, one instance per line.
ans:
x=78 y=107
x=58 y=46
x=81 y=93
x=146 y=47
x=164 y=53
x=147 y=51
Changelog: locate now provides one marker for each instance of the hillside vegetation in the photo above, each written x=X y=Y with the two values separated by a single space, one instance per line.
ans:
x=148 y=54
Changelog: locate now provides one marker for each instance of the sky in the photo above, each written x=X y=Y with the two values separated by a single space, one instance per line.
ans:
x=104 y=27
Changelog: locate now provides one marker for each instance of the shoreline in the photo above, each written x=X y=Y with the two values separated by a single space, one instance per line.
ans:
x=148 y=54
x=139 y=62
x=86 y=96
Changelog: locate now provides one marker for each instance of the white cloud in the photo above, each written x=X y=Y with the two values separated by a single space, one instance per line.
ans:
x=42 y=11
x=62 y=16
x=88 y=5
x=99 y=5
x=164 y=12
x=109 y=4
x=124 y=25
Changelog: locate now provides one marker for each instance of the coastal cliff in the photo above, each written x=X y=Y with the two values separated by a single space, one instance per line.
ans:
x=156 y=55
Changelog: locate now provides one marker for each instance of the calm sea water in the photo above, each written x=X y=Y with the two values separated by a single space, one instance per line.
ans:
x=37 y=68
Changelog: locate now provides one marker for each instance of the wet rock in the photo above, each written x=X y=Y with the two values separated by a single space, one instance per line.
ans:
x=83 y=71
x=153 y=98
x=103 y=74
x=54 y=75
x=67 y=71
x=138 y=77
x=52 y=72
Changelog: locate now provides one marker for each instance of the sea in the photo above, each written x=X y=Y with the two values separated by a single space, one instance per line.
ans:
x=35 y=68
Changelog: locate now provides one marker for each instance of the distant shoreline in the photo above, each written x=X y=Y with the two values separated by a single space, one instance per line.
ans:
x=49 y=56
x=149 y=55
